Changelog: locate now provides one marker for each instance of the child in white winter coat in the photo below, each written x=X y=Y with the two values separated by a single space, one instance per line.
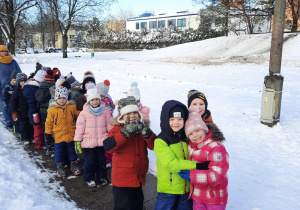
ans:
x=92 y=128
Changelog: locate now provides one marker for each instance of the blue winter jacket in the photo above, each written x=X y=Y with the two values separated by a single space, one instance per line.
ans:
x=5 y=74
x=29 y=90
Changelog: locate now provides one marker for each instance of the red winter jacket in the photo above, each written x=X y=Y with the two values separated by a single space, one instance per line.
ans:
x=130 y=159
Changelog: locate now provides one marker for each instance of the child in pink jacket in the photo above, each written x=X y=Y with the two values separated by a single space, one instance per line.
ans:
x=145 y=110
x=92 y=126
x=209 y=185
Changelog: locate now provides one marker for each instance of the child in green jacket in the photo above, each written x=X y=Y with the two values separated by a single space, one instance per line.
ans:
x=171 y=150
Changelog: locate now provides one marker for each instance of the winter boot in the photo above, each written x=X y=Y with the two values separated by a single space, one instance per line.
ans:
x=74 y=168
x=91 y=183
x=26 y=142
x=60 y=170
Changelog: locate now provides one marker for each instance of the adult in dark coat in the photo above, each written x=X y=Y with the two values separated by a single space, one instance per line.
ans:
x=7 y=66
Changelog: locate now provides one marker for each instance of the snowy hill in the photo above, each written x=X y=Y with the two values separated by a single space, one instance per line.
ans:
x=264 y=166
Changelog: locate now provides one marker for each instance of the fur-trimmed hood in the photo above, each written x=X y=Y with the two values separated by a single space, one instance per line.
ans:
x=114 y=121
x=216 y=133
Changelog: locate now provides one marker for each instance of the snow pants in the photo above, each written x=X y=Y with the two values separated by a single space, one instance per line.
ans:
x=173 y=201
x=128 y=198
x=63 y=148
x=7 y=116
x=26 y=129
x=203 y=206
x=94 y=163
x=38 y=136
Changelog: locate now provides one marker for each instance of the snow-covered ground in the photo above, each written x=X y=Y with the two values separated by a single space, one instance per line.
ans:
x=264 y=161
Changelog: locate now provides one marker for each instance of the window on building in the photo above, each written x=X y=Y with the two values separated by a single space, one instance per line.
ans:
x=152 y=24
x=143 y=25
x=181 y=22
x=137 y=26
x=161 y=24
x=171 y=23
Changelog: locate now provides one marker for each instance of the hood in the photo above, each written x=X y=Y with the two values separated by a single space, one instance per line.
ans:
x=216 y=133
x=164 y=118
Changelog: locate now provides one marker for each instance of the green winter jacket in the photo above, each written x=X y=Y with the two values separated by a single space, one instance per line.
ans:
x=171 y=151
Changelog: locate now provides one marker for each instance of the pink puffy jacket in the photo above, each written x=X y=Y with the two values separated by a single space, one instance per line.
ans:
x=92 y=130
x=210 y=186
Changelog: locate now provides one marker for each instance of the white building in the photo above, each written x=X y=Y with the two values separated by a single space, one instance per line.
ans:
x=182 y=20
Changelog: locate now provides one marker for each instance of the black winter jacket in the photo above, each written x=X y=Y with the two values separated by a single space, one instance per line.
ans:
x=17 y=103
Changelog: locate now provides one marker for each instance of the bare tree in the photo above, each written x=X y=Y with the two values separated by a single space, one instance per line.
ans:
x=68 y=11
x=10 y=16
x=293 y=9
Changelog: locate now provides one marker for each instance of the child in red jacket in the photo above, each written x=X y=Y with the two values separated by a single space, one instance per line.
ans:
x=208 y=187
x=128 y=140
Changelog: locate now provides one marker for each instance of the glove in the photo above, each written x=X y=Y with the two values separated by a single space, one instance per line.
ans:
x=49 y=140
x=185 y=174
x=202 y=166
x=146 y=132
x=15 y=116
x=36 y=118
x=131 y=128
x=78 y=149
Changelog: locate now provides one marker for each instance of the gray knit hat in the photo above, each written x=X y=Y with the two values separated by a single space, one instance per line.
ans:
x=61 y=92
x=103 y=87
x=127 y=105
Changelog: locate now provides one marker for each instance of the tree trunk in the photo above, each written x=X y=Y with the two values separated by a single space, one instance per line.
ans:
x=12 y=38
x=1 y=40
x=249 y=24
x=295 y=24
x=65 y=44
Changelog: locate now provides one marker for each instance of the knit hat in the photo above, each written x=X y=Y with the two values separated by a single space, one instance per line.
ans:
x=14 y=74
x=21 y=77
x=56 y=73
x=71 y=80
x=61 y=92
x=88 y=76
x=49 y=77
x=194 y=121
x=3 y=48
x=62 y=82
x=91 y=94
x=38 y=66
x=178 y=111
x=134 y=91
x=40 y=75
x=103 y=87
x=196 y=94
x=127 y=105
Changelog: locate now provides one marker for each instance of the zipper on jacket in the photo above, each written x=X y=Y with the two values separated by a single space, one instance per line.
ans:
x=182 y=150
x=72 y=116
x=56 y=118
x=171 y=178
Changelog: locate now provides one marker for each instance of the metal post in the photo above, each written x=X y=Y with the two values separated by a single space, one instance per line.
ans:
x=274 y=80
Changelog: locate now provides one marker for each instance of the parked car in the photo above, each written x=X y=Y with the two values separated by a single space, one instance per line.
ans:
x=83 y=49
x=50 y=50
x=20 y=51
x=36 y=51
x=69 y=50
x=59 y=50
x=29 y=50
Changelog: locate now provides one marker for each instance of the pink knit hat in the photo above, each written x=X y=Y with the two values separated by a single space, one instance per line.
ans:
x=194 y=121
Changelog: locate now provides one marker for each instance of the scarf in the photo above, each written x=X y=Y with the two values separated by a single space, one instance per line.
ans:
x=96 y=111
x=6 y=59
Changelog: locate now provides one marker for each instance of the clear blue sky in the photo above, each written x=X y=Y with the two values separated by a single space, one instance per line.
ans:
x=158 y=6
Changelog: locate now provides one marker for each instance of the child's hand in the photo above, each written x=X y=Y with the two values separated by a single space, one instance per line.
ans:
x=36 y=118
x=48 y=140
x=78 y=149
x=185 y=174
x=131 y=128
x=146 y=132
x=202 y=166
x=15 y=116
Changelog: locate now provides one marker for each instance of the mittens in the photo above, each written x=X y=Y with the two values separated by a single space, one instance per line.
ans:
x=185 y=174
x=131 y=128
x=78 y=149
x=146 y=132
x=36 y=118
x=15 y=116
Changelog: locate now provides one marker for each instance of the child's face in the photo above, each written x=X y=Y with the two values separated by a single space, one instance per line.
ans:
x=176 y=123
x=197 y=136
x=14 y=81
x=95 y=102
x=22 y=83
x=132 y=115
x=200 y=104
x=61 y=101
x=88 y=83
